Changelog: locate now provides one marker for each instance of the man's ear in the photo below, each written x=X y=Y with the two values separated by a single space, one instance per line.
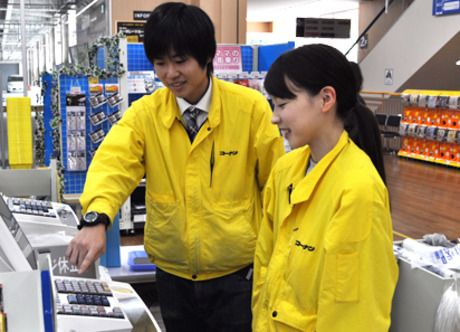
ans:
x=329 y=98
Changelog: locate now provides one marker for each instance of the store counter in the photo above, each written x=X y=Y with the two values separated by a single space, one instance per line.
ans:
x=124 y=274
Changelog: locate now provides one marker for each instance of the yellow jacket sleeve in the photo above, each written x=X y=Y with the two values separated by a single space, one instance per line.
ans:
x=354 y=294
x=117 y=167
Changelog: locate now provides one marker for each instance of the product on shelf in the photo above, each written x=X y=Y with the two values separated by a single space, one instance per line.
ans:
x=430 y=126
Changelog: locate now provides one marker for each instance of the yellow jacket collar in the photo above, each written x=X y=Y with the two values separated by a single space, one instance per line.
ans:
x=303 y=190
x=171 y=111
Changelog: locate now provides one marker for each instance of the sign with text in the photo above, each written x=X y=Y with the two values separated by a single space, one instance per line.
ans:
x=141 y=15
x=228 y=59
x=134 y=31
x=61 y=265
x=446 y=7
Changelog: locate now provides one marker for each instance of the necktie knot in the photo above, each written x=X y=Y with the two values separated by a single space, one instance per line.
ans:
x=193 y=112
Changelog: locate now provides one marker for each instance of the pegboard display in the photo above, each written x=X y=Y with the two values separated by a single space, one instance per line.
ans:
x=100 y=57
x=430 y=127
x=137 y=60
x=47 y=83
x=247 y=56
x=73 y=181
x=95 y=130
x=267 y=54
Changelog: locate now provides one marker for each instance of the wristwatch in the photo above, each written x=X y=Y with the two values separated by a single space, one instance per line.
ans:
x=93 y=218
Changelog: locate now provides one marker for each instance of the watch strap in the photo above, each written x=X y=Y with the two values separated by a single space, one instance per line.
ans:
x=102 y=218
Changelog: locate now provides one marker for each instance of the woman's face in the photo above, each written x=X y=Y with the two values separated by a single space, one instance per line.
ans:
x=300 y=118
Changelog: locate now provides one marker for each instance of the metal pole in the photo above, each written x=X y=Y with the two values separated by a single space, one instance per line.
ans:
x=23 y=48
x=64 y=40
x=37 y=65
x=45 y=58
x=52 y=44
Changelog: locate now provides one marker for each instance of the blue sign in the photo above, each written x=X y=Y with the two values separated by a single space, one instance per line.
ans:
x=446 y=7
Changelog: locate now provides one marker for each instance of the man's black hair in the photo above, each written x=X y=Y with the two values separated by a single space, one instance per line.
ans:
x=182 y=29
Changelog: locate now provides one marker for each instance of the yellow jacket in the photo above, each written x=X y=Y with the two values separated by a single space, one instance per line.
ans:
x=324 y=258
x=203 y=200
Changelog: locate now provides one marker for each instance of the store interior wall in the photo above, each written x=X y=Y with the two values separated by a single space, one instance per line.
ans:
x=283 y=14
x=123 y=10
x=440 y=72
x=228 y=16
x=368 y=10
x=415 y=38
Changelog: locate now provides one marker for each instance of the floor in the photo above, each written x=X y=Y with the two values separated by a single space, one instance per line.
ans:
x=425 y=198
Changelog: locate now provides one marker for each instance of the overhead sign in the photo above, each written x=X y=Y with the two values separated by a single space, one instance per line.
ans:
x=322 y=27
x=141 y=15
x=446 y=7
x=134 y=31
x=228 y=59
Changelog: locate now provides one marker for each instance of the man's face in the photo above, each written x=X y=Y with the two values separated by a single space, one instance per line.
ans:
x=183 y=75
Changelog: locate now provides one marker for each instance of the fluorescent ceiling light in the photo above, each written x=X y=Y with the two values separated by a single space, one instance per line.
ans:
x=458 y=62
x=86 y=8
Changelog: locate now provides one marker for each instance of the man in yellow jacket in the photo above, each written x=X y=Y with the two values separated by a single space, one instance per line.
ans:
x=203 y=186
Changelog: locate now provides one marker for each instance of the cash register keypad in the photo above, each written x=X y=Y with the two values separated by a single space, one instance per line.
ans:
x=85 y=297
x=33 y=207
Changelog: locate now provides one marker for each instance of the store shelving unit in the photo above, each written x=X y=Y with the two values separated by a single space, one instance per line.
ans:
x=430 y=127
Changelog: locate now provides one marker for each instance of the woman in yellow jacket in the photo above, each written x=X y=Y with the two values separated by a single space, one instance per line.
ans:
x=324 y=259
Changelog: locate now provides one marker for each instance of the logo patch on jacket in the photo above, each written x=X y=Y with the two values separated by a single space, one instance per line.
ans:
x=304 y=246
x=228 y=153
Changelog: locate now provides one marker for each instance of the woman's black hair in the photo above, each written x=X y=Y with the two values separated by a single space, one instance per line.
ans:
x=311 y=68
x=368 y=140
x=182 y=28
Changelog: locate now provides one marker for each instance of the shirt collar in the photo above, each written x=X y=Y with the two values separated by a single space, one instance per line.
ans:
x=203 y=104
x=307 y=184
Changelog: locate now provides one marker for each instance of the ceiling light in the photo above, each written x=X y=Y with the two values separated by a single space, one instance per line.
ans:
x=458 y=62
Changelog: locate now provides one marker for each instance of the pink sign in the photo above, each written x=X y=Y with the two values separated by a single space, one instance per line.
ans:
x=228 y=59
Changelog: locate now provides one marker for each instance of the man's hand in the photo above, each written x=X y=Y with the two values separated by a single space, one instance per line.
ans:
x=86 y=247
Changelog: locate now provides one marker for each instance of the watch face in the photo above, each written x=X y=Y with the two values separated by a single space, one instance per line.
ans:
x=90 y=217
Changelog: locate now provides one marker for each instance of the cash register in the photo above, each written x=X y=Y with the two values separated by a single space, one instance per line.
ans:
x=75 y=303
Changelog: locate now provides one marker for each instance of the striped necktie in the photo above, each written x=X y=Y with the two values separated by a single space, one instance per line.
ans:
x=190 y=121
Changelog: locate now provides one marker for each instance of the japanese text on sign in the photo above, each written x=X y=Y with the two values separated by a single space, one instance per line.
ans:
x=228 y=59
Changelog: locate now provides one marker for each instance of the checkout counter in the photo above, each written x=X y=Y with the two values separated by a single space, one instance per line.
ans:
x=39 y=283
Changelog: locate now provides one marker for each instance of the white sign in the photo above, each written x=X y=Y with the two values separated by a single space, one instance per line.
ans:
x=388 y=78
x=138 y=81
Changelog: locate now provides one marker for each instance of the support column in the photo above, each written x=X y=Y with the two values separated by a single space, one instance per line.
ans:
x=23 y=48
x=229 y=18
